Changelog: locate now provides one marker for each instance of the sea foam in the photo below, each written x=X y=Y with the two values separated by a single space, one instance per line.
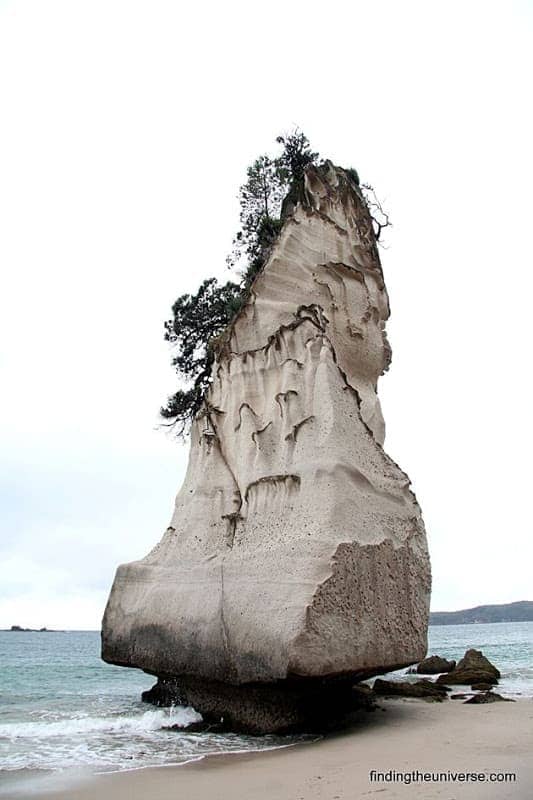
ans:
x=180 y=716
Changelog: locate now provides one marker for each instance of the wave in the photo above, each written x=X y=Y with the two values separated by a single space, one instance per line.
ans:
x=149 y=721
x=522 y=673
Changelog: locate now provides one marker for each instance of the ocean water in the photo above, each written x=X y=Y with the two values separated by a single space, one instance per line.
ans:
x=62 y=708
x=509 y=645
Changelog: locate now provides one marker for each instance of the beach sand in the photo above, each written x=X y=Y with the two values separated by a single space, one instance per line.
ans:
x=408 y=735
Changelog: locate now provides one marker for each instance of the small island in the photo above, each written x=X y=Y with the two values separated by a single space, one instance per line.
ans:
x=19 y=629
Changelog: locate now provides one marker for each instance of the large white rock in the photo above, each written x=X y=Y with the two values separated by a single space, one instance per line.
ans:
x=296 y=549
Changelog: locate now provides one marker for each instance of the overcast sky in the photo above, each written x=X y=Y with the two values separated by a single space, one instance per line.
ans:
x=125 y=131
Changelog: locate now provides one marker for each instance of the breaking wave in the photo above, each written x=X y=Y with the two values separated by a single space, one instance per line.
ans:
x=149 y=721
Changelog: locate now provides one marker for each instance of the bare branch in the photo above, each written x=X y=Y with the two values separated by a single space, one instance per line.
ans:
x=380 y=218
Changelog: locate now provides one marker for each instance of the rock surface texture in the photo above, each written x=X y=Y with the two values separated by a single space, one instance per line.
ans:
x=296 y=560
x=435 y=665
x=424 y=688
x=473 y=667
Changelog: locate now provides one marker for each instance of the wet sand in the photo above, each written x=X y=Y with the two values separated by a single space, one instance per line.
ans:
x=408 y=735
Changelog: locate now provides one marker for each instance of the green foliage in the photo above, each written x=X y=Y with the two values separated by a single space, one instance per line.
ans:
x=354 y=175
x=260 y=199
x=269 y=180
x=197 y=320
x=296 y=155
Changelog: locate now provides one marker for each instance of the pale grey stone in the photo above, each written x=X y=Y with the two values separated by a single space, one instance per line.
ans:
x=296 y=549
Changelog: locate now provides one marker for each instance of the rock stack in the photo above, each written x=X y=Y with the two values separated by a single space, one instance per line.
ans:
x=295 y=563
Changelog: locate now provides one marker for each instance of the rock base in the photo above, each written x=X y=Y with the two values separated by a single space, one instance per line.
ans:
x=288 y=706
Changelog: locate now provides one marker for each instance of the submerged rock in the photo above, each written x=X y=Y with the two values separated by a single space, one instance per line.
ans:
x=434 y=665
x=297 y=554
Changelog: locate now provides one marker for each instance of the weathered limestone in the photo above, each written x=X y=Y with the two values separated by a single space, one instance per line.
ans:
x=297 y=551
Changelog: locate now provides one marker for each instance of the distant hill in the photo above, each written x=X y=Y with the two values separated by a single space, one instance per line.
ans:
x=521 y=611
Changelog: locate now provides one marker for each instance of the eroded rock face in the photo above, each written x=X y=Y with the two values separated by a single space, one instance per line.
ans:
x=296 y=550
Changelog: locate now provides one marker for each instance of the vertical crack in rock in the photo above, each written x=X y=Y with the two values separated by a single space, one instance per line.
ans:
x=226 y=462
x=223 y=625
x=297 y=552
x=233 y=519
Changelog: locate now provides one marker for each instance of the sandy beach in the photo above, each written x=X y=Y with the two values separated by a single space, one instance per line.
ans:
x=408 y=735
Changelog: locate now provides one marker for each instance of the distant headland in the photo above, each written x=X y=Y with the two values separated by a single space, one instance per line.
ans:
x=521 y=611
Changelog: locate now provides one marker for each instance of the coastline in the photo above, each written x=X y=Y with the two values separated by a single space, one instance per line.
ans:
x=403 y=735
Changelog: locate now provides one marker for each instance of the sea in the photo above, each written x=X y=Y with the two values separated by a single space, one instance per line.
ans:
x=63 y=709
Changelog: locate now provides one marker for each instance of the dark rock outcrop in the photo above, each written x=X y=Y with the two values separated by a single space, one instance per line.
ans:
x=311 y=705
x=488 y=697
x=472 y=668
x=425 y=689
x=435 y=665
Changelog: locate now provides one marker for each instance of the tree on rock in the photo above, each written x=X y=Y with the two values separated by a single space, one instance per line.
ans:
x=260 y=200
x=197 y=320
x=273 y=186
x=269 y=181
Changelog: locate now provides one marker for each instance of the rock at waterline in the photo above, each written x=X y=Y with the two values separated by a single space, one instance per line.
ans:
x=488 y=697
x=434 y=665
x=426 y=689
x=288 y=706
x=472 y=668
x=296 y=560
